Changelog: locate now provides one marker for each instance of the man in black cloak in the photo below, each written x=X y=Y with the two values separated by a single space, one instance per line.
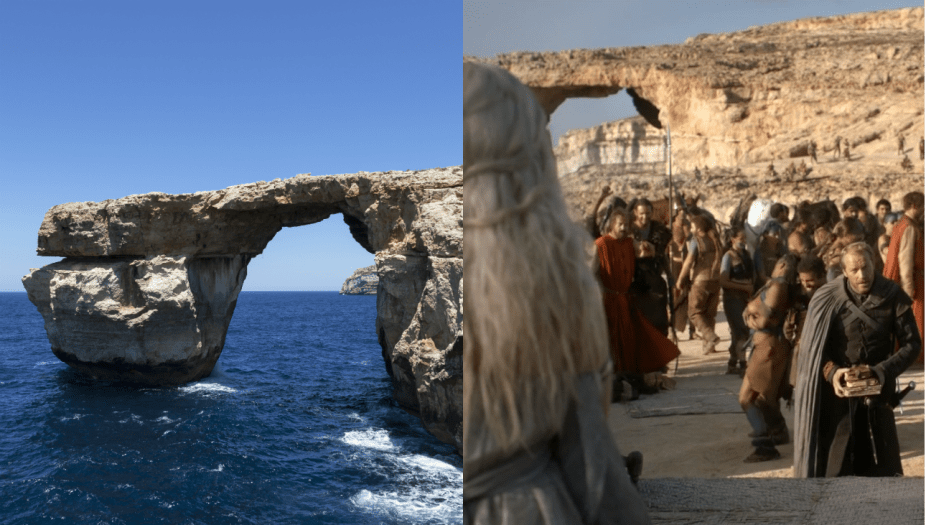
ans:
x=854 y=320
x=649 y=289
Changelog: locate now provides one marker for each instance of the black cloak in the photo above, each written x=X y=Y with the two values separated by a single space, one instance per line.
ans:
x=816 y=446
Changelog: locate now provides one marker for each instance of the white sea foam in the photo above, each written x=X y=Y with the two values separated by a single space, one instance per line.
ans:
x=165 y=419
x=370 y=438
x=207 y=388
x=414 y=505
x=75 y=416
x=438 y=498
x=433 y=467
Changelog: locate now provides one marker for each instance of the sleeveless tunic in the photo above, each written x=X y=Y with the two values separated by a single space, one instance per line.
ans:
x=892 y=268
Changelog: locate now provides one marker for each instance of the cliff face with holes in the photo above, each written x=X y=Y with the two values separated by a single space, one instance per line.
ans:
x=150 y=282
x=738 y=102
x=759 y=94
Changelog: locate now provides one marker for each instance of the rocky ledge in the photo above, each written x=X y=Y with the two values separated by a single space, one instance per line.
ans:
x=363 y=281
x=755 y=95
x=149 y=282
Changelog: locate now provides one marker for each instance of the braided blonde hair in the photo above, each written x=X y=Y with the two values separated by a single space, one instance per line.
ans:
x=534 y=314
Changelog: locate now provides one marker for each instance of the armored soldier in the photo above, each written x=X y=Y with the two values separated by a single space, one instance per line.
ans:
x=812 y=151
x=900 y=144
x=845 y=148
x=853 y=325
x=836 y=150
x=922 y=148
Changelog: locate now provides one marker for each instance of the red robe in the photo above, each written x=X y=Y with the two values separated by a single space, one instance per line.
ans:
x=892 y=269
x=636 y=346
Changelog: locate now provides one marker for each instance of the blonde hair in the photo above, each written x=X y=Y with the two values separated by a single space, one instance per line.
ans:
x=534 y=315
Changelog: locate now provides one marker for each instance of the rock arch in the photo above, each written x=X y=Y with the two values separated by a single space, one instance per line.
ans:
x=149 y=282
x=757 y=94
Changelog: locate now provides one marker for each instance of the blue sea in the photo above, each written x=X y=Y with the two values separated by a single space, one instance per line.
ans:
x=296 y=424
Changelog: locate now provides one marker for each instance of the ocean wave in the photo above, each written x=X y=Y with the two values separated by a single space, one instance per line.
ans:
x=424 y=489
x=434 y=467
x=370 y=438
x=207 y=388
x=166 y=420
x=442 y=505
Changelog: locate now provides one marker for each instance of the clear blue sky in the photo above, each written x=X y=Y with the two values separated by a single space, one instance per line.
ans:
x=490 y=28
x=103 y=99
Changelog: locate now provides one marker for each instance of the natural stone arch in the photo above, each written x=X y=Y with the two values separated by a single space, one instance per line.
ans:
x=753 y=95
x=150 y=282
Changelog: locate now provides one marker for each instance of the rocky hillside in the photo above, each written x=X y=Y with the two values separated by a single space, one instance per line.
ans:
x=362 y=282
x=745 y=99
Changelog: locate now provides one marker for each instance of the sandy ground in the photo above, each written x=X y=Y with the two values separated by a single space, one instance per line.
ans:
x=714 y=445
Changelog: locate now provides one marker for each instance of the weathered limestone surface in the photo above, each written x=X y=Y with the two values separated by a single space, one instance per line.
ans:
x=364 y=281
x=758 y=94
x=150 y=282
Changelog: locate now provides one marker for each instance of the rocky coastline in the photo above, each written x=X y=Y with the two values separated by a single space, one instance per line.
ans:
x=149 y=282
x=364 y=281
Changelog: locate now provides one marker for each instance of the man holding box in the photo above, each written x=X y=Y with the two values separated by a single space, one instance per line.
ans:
x=847 y=372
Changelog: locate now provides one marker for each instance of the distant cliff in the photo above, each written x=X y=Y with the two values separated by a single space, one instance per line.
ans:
x=361 y=282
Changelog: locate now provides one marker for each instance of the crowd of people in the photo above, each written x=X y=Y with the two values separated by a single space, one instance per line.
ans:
x=825 y=309
x=766 y=286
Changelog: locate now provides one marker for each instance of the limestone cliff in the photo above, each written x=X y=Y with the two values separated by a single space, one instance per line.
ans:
x=363 y=281
x=759 y=94
x=150 y=282
x=738 y=102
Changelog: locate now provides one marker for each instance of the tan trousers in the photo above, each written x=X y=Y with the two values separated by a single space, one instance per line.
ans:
x=703 y=300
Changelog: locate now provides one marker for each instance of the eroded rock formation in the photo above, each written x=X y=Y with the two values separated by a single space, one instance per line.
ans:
x=364 y=281
x=758 y=94
x=149 y=283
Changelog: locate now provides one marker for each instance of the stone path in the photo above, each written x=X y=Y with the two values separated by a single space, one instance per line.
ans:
x=784 y=501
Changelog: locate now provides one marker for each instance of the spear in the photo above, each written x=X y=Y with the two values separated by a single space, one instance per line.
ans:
x=671 y=222
x=669 y=173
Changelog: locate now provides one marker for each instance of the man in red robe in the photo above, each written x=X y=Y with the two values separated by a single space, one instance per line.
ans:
x=636 y=346
x=904 y=263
